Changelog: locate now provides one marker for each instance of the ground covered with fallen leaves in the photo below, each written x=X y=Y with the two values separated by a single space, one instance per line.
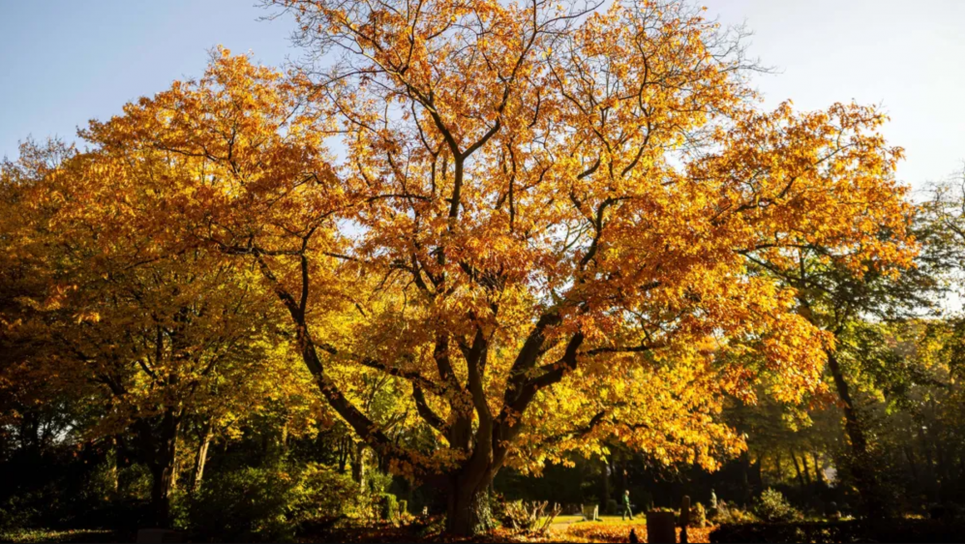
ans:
x=603 y=531
x=611 y=532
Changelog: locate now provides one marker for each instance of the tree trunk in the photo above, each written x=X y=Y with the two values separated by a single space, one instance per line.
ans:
x=797 y=470
x=201 y=457
x=745 y=464
x=777 y=465
x=161 y=494
x=175 y=470
x=163 y=469
x=819 y=467
x=344 y=445
x=861 y=466
x=112 y=457
x=912 y=466
x=806 y=469
x=467 y=505
x=624 y=483
x=606 y=480
x=944 y=476
x=931 y=481
x=358 y=468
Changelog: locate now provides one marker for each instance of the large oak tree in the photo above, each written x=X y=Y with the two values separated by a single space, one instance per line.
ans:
x=536 y=218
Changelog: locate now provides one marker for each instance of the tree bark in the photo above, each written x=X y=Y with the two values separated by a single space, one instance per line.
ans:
x=358 y=467
x=745 y=464
x=201 y=457
x=163 y=469
x=819 y=467
x=861 y=466
x=913 y=467
x=929 y=460
x=606 y=480
x=777 y=467
x=468 y=502
x=807 y=470
x=344 y=447
x=113 y=454
x=625 y=484
x=797 y=470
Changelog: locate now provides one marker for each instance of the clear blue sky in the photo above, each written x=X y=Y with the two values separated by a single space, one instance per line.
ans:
x=64 y=62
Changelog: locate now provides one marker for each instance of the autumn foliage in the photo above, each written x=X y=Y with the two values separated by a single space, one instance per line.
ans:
x=537 y=220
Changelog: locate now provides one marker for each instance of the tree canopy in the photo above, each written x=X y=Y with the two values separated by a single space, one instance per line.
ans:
x=543 y=224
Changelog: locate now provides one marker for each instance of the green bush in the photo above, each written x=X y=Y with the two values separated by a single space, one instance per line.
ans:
x=17 y=512
x=378 y=482
x=513 y=515
x=134 y=482
x=323 y=494
x=698 y=515
x=273 y=503
x=181 y=510
x=389 y=507
x=250 y=504
x=611 y=507
x=727 y=514
x=534 y=517
x=772 y=506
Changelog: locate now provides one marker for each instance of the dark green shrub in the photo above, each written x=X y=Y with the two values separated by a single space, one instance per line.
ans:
x=727 y=514
x=180 y=510
x=17 y=512
x=772 y=506
x=513 y=514
x=389 y=507
x=698 y=515
x=251 y=504
x=134 y=482
x=534 y=517
x=378 y=482
x=273 y=503
x=323 y=494
x=611 y=507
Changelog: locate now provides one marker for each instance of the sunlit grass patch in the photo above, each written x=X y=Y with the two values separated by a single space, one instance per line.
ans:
x=51 y=535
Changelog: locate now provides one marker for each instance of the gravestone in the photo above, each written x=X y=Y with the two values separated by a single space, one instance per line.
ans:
x=684 y=519
x=660 y=528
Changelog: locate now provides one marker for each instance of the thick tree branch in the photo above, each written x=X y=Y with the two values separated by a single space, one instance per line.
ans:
x=426 y=412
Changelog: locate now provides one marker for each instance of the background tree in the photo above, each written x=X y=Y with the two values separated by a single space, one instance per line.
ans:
x=147 y=331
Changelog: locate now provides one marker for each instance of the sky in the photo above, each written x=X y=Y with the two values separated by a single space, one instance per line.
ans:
x=65 y=62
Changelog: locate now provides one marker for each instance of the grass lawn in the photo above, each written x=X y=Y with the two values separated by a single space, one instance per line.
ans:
x=637 y=520
x=51 y=535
